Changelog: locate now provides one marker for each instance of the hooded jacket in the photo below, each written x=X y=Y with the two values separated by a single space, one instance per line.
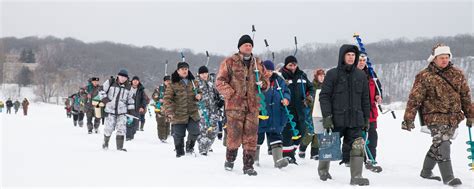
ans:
x=345 y=92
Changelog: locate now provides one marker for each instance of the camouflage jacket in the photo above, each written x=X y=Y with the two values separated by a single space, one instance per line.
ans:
x=210 y=97
x=237 y=84
x=440 y=104
x=180 y=100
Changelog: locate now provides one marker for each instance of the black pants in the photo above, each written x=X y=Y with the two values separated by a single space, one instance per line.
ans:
x=349 y=135
x=178 y=131
x=132 y=129
x=290 y=145
x=78 y=117
x=272 y=138
x=373 y=138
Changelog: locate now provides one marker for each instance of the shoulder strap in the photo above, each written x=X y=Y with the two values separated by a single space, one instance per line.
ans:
x=111 y=82
x=447 y=81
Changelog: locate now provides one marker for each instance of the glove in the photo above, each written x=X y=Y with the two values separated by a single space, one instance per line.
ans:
x=219 y=136
x=408 y=125
x=327 y=122
x=210 y=129
x=259 y=83
x=129 y=121
x=469 y=122
x=366 y=126
x=131 y=112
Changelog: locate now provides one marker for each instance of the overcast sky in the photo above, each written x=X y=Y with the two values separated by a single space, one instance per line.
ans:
x=217 y=25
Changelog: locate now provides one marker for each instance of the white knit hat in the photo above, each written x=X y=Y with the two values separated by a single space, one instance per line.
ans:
x=439 y=51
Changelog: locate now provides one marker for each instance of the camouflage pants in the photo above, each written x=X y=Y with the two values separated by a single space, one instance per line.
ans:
x=162 y=127
x=242 y=130
x=440 y=149
x=115 y=122
x=206 y=137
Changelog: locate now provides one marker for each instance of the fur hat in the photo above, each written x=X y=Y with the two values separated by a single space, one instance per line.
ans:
x=440 y=49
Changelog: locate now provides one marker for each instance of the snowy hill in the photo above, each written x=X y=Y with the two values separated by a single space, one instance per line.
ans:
x=45 y=150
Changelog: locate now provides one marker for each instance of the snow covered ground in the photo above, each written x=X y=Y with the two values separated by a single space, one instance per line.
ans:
x=45 y=150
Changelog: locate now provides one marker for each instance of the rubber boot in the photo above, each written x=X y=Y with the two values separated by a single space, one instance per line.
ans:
x=446 y=170
x=356 y=164
x=105 y=145
x=427 y=171
x=179 y=150
x=120 y=140
x=142 y=124
x=230 y=157
x=323 y=170
x=257 y=156
x=278 y=159
x=248 y=158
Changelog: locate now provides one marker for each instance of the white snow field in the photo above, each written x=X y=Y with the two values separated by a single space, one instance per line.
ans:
x=44 y=149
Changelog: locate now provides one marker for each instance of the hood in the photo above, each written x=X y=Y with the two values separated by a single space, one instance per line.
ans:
x=345 y=49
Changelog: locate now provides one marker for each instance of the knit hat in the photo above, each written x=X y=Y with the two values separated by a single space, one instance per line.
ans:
x=203 y=69
x=135 y=78
x=290 y=59
x=123 y=72
x=183 y=65
x=269 y=65
x=439 y=50
x=167 y=78
x=245 y=39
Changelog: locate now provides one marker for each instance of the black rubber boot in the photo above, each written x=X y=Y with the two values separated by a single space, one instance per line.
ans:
x=120 y=141
x=179 y=150
x=105 y=145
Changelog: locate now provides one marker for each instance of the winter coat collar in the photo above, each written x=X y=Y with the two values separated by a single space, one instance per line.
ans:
x=432 y=67
x=290 y=75
x=175 y=77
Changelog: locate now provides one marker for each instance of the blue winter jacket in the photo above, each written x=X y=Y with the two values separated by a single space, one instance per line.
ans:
x=276 y=110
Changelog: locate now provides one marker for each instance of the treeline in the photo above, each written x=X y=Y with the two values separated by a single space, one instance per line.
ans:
x=65 y=64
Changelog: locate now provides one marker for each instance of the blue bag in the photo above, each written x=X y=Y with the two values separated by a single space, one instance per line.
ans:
x=330 y=146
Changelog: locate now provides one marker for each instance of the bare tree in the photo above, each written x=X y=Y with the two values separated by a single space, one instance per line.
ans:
x=46 y=75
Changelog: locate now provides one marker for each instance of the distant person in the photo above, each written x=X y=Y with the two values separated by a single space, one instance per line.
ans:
x=25 y=105
x=9 y=106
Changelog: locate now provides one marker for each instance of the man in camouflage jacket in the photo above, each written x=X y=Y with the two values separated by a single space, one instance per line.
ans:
x=163 y=123
x=442 y=96
x=236 y=81
x=208 y=130
x=180 y=105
